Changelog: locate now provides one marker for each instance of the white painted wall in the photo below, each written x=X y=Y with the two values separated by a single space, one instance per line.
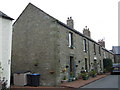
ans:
x=5 y=48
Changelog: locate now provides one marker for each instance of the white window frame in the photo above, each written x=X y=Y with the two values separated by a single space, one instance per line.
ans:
x=70 y=39
x=85 y=45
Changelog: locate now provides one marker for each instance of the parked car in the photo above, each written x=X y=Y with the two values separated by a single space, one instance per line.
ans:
x=115 y=69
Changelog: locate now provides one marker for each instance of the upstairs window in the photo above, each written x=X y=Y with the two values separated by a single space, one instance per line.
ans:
x=104 y=54
x=70 y=40
x=94 y=48
x=85 y=45
x=99 y=50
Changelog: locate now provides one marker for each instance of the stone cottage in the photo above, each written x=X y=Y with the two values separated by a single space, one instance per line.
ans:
x=5 y=47
x=45 y=45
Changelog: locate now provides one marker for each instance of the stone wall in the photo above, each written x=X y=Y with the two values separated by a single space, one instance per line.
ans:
x=41 y=45
x=34 y=44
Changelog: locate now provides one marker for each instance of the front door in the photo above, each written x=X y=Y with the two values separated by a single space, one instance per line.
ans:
x=72 y=69
x=86 y=65
x=95 y=66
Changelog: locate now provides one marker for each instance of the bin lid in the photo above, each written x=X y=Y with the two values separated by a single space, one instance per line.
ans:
x=35 y=74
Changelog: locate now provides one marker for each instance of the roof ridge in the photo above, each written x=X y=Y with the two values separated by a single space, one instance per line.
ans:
x=58 y=21
x=5 y=16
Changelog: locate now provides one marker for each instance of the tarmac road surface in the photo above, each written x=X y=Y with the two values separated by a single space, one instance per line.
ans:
x=111 y=81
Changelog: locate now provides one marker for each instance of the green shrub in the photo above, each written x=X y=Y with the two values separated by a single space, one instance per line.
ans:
x=85 y=75
x=107 y=64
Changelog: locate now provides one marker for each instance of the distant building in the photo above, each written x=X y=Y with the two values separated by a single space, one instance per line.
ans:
x=5 y=47
x=116 y=50
x=45 y=45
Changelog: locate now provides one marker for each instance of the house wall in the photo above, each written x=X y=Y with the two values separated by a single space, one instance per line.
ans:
x=40 y=45
x=5 y=48
x=77 y=52
x=96 y=57
x=34 y=45
x=65 y=52
x=111 y=56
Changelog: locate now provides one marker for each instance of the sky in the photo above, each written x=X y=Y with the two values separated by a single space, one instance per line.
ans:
x=100 y=16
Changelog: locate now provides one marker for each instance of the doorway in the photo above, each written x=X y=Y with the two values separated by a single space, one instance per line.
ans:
x=86 y=66
x=72 y=69
x=95 y=65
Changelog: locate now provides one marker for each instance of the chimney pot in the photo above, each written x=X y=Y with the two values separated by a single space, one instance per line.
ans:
x=86 y=32
x=70 y=22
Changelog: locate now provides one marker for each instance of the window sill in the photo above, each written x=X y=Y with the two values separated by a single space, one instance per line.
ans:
x=85 y=51
x=71 y=47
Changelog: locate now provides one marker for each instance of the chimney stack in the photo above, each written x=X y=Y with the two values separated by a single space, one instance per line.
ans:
x=101 y=42
x=70 y=22
x=86 y=32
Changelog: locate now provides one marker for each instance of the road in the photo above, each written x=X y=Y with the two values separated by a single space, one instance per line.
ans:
x=111 y=81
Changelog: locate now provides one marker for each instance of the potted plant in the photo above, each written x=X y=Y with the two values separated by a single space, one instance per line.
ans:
x=71 y=74
x=85 y=75
x=64 y=79
x=72 y=77
x=93 y=73
x=79 y=76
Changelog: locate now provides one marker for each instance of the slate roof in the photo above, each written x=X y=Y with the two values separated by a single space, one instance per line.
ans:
x=61 y=23
x=5 y=16
x=58 y=21
x=116 y=49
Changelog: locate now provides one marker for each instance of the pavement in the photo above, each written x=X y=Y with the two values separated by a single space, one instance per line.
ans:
x=79 y=83
x=74 y=84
